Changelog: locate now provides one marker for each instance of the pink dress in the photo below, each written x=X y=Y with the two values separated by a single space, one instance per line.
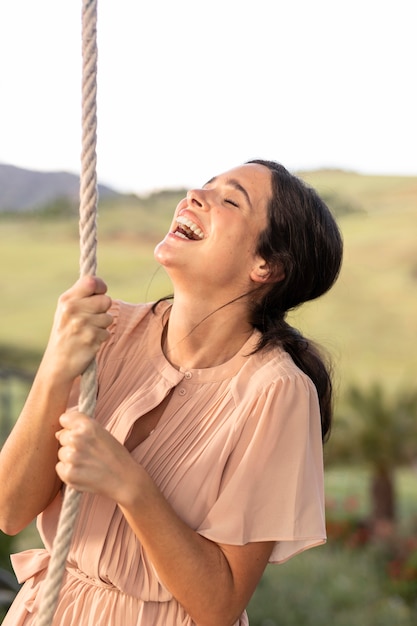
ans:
x=238 y=455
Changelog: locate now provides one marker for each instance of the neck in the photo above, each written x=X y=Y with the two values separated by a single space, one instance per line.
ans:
x=198 y=336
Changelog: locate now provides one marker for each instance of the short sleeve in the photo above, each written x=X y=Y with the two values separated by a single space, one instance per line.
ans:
x=126 y=326
x=272 y=486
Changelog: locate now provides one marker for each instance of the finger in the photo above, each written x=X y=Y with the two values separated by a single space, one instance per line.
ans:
x=66 y=473
x=102 y=320
x=91 y=285
x=66 y=455
x=89 y=337
x=60 y=470
x=71 y=420
x=96 y=304
x=59 y=435
x=84 y=287
x=65 y=438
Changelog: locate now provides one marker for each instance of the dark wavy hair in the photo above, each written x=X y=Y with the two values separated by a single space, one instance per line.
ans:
x=303 y=239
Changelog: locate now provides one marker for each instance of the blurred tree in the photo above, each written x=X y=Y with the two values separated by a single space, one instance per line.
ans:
x=382 y=432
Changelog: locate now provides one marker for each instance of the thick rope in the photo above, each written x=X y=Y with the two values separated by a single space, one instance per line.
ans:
x=88 y=264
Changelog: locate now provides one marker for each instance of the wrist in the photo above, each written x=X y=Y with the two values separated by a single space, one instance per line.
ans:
x=136 y=488
x=56 y=372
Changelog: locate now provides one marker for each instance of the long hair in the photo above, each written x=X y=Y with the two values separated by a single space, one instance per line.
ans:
x=303 y=238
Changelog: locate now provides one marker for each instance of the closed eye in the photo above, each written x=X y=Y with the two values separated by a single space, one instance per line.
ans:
x=232 y=202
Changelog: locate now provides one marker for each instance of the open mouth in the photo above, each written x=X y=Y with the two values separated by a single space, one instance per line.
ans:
x=186 y=229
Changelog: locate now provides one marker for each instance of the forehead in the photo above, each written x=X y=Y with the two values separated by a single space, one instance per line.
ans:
x=256 y=179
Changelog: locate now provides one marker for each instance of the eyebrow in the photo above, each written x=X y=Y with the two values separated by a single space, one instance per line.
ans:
x=232 y=182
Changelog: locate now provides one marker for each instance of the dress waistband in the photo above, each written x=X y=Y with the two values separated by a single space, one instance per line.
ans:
x=30 y=562
x=90 y=580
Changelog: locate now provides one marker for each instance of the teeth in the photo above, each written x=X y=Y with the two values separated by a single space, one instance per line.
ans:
x=186 y=222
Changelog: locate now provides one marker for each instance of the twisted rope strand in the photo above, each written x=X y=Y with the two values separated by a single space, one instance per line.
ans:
x=88 y=265
x=88 y=179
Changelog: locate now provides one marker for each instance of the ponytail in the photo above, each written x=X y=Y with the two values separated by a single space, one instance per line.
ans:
x=308 y=357
x=303 y=240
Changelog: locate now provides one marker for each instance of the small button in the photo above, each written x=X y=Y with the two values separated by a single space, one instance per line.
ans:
x=188 y=375
x=182 y=391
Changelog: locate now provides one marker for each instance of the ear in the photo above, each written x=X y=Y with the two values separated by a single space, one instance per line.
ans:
x=263 y=272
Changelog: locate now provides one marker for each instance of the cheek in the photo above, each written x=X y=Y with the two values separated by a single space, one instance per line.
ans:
x=237 y=254
x=248 y=243
x=234 y=246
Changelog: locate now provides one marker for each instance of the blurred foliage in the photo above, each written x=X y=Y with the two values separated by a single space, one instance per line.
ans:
x=375 y=426
x=19 y=359
x=379 y=429
x=334 y=585
x=8 y=582
x=60 y=207
x=6 y=543
x=340 y=204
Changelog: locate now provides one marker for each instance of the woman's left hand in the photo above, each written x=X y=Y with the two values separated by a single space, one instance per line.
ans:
x=90 y=458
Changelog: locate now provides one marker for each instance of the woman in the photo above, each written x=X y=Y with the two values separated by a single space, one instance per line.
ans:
x=204 y=461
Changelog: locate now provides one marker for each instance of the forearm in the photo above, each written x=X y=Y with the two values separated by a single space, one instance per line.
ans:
x=194 y=569
x=27 y=461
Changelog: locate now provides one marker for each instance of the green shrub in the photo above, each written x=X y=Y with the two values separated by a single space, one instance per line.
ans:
x=330 y=585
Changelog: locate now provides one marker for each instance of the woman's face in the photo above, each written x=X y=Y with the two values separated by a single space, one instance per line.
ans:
x=215 y=230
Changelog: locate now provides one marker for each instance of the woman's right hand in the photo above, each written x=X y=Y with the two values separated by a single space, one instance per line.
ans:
x=79 y=328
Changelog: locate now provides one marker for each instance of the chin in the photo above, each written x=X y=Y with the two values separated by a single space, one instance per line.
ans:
x=163 y=253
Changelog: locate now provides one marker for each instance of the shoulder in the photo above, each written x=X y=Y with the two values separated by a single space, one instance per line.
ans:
x=271 y=372
x=278 y=402
x=131 y=322
x=127 y=316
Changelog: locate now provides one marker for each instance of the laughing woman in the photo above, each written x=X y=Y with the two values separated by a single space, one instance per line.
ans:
x=204 y=461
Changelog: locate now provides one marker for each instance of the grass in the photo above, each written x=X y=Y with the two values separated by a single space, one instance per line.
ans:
x=42 y=261
x=367 y=319
x=326 y=585
x=371 y=193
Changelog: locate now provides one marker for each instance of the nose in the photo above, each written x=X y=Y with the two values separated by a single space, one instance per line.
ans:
x=198 y=197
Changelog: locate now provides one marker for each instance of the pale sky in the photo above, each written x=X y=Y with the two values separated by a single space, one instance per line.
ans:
x=188 y=89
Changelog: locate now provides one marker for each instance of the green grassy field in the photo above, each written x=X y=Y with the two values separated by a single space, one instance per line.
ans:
x=368 y=322
x=329 y=586
x=40 y=259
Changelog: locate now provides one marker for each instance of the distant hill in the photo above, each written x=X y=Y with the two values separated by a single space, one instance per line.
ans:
x=27 y=190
